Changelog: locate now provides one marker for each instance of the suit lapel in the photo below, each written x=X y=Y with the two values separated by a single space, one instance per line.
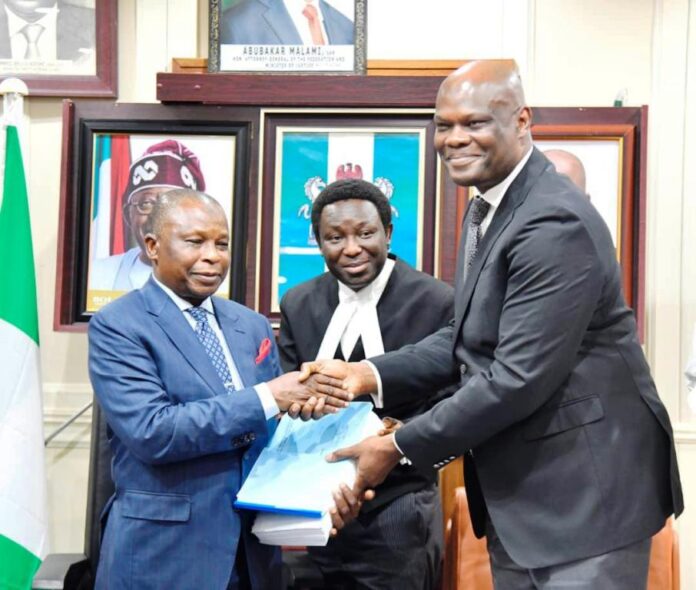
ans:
x=173 y=323
x=240 y=345
x=514 y=197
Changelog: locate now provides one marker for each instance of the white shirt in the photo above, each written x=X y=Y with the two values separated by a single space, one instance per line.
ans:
x=295 y=8
x=46 y=42
x=270 y=407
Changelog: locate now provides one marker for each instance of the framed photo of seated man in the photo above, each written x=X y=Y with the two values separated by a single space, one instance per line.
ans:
x=319 y=36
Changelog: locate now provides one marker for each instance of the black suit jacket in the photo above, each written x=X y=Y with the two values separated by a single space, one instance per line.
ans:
x=571 y=445
x=412 y=306
x=75 y=28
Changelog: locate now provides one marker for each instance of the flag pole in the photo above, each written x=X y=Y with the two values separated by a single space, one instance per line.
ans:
x=13 y=91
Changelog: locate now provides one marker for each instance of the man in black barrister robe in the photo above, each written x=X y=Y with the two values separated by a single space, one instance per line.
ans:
x=370 y=302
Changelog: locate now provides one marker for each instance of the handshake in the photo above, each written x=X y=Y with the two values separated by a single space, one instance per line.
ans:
x=321 y=387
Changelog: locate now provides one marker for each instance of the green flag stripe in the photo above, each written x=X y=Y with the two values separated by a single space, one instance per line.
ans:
x=17 y=280
x=17 y=565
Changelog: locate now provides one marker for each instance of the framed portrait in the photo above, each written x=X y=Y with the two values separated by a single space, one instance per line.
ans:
x=303 y=151
x=318 y=36
x=114 y=170
x=605 y=154
x=611 y=148
x=60 y=47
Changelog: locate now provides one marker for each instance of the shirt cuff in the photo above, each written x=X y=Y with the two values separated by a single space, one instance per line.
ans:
x=378 y=397
x=404 y=459
x=270 y=407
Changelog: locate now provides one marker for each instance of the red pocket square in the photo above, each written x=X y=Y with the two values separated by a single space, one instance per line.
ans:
x=264 y=349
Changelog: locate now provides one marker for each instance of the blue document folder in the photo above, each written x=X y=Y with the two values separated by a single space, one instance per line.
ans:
x=292 y=476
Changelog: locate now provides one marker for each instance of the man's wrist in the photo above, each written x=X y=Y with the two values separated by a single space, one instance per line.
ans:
x=376 y=386
x=404 y=459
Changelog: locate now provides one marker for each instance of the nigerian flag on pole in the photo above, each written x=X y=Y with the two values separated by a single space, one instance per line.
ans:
x=23 y=522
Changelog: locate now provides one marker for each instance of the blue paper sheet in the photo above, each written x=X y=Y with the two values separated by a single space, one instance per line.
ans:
x=292 y=475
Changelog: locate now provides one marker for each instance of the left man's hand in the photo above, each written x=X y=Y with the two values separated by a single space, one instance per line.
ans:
x=316 y=406
x=375 y=457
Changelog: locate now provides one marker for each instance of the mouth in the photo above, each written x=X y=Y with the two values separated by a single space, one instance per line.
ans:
x=461 y=159
x=357 y=267
x=207 y=278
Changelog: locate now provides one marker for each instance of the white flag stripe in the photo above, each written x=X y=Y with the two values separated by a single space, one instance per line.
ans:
x=354 y=148
x=23 y=499
x=103 y=220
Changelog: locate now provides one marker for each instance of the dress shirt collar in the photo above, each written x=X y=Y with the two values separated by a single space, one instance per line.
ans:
x=16 y=23
x=182 y=304
x=494 y=195
x=372 y=292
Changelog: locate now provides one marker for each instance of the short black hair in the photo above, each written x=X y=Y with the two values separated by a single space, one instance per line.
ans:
x=351 y=188
x=170 y=200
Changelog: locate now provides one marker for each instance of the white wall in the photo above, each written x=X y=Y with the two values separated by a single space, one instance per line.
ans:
x=574 y=52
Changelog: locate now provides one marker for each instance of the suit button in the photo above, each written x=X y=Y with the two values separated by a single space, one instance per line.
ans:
x=463 y=369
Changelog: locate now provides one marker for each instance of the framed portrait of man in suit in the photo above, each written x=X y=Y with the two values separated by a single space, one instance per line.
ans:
x=287 y=36
x=303 y=151
x=60 y=47
x=117 y=162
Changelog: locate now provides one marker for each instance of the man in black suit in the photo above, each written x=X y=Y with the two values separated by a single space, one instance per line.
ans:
x=72 y=27
x=367 y=303
x=570 y=466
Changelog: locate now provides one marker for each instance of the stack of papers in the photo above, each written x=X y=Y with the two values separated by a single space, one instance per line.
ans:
x=282 y=529
x=291 y=483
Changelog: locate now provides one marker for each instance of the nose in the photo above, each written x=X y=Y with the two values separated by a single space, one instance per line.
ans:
x=210 y=252
x=458 y=135
x=352 y=247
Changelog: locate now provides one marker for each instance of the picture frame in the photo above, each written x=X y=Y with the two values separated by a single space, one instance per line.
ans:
x=82 y=53
x=117 y=157
x=303 y=150
x=605 y=152
x=612 y=144
x=262 y=36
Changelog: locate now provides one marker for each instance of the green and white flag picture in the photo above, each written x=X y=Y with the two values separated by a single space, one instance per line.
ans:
x=23 y=520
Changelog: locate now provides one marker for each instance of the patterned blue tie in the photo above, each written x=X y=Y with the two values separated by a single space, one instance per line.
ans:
x=212 y=346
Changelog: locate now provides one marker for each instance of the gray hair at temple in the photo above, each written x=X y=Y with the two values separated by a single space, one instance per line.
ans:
x=171 y=200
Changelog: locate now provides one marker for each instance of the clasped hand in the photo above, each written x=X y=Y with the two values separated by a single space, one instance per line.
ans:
x=310 y=397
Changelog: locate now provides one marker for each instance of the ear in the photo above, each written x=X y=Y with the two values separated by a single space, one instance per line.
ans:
x=388 y=231
x=524 y=120
x=152 y=247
